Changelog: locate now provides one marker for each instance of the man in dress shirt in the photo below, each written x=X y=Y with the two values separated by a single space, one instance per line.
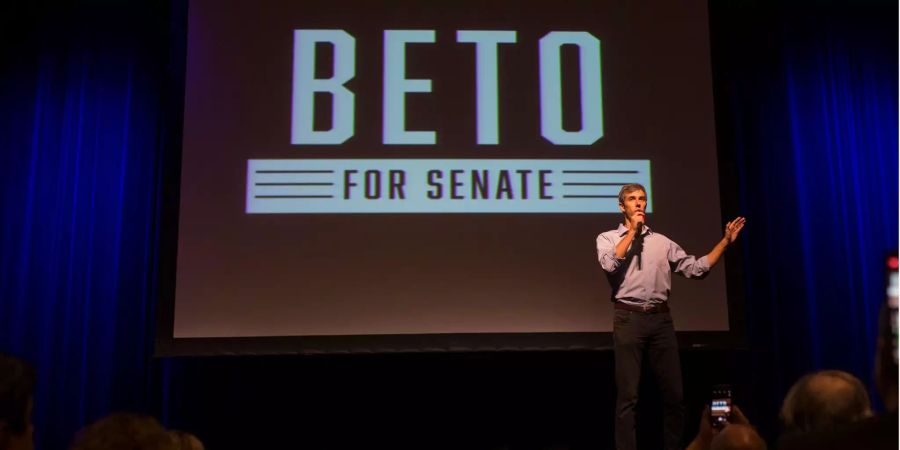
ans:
x=639 y=263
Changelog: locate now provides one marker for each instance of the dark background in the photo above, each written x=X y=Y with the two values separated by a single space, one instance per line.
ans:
x=806 y=105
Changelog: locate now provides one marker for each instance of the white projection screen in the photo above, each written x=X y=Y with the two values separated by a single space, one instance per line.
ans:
x=429 y=176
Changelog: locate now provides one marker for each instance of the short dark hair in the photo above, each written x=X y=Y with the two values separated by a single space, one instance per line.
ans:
x=810 y=406
x=17 y=381
x=124 y=431
x=185 y=441
x=629 y=188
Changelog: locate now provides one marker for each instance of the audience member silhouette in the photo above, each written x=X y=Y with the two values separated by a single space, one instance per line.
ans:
x=824 y=400
x=124 y=431
x=17 y=381
x=186 y=441
x=855 y=430
x=738 y=437
x=737 y=434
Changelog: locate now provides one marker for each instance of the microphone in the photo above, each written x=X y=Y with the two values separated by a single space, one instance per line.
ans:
x=639 y=242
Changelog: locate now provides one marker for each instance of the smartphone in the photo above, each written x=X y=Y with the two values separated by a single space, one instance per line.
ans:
x=720 y=406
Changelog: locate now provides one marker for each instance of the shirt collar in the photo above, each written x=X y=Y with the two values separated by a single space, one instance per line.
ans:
x=623 y=229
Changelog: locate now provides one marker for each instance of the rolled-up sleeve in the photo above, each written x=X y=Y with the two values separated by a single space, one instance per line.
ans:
x=606 y=254
x=686 y=265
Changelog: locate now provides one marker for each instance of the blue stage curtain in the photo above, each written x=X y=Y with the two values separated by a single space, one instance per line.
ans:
x=842 y=105
x=78 y=168
x=811 y=109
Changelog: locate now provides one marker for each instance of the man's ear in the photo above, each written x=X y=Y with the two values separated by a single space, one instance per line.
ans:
x=621 y=207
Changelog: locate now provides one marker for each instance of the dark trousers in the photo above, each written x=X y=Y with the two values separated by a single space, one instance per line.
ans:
x=636 y=336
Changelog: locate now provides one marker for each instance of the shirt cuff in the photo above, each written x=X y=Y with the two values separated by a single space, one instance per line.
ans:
x=703 y=264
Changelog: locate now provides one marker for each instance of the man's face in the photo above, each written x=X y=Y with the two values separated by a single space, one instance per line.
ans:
x=635 y=205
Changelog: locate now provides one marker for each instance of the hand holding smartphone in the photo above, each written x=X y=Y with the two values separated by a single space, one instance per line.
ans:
x=720 y=413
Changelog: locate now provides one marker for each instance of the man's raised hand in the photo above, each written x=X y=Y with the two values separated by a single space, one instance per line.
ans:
x=733 y=228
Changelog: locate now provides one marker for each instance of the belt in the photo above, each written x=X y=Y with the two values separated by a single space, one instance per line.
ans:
x=647 y=309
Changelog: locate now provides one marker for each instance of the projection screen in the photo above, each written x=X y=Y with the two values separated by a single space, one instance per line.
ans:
x=381 y=176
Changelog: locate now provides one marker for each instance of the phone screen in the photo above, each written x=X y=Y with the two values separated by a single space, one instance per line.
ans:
x=720 y=406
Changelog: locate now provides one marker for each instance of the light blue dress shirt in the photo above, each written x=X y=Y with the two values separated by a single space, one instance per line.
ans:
x=650 y=284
